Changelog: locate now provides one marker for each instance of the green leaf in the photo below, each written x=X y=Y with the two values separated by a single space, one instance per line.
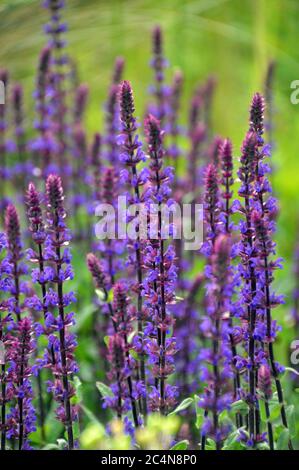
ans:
x=210 y=444
x=106 y=340
x=274 y=411
x=291 y=417
x=283 y=440
x=230 y=442
x=182 y=406
x=78 y=387
x=262 y=411
x=199 y=413
x=104 y=390
x=182 y=445
x=239 y=406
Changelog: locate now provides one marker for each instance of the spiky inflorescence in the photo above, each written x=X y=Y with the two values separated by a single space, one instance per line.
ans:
x=112 y=122
x=55 y=30
x=216 y=368
x=247 y=273
x=227 y=180
x=14 y=256
x=65 y=342
x=173 y=127
x=212 y=207
x=44 y=146
x=98 y=273
x=81 y=97
x=159 y=282
x=123 y=317
x=159 y=89
x=21 y=418
x=23 y=166
x=263 y=218
x=131 y=155
x=197 y=138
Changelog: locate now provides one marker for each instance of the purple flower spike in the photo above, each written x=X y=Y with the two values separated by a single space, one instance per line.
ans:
x=159 y=284
x=217 y=395
x=21 y=419
x=159 y=90
x=227 y=179
x=131 y=156
x=264 y=381
x=98 y=273
x=57 y=254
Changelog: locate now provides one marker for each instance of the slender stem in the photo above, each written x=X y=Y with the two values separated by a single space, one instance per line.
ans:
x=139 y=300
x=129 y=379
x=65 y=381
x=3 y=407
x=269 y=424
x=20 y=400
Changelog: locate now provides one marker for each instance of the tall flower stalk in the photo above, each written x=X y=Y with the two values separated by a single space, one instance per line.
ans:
x=248 y=275
x=264 y=224
x=131 y=156
x=159 y=284
x=217 y=375
x=227 y=181
x=159 y=89
x=59 y=238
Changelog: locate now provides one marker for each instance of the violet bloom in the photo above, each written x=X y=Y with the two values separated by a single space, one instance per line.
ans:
x=212 y=208
x=80 y=188
x=41 y=274
x=214 y=150
x=112 y=121
x=44 y=146
x=15 y=256
x=159 y=89
x=206 y=93
x=104 y=315
x=64 y=345
x=217 y=373
x=111 y=248
x=160 y=279
x=22 y=167
x=123 y=317
x=187 y=322
x=81 y=97
x=197 y=138
x=6 y=393
x=251 y=321
x=131 y=155
x=55 y=30
x=21 y=417
x=95 y=155
x=174 y=128
x=263 y=217
x=118 y=375
x=226 y=180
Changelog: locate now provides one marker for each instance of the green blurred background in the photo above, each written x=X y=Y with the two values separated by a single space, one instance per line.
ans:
x=232 y=39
